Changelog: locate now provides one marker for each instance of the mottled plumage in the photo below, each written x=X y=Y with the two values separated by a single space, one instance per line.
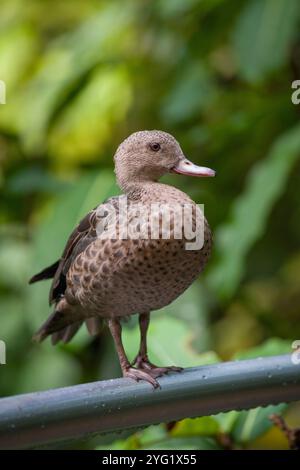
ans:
x=101 y=276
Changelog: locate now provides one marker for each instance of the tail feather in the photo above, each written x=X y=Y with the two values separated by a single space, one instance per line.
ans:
x=66 y=334
x=51 y=325
x=47 y=273
x=60 y=319
x=62 y=325
x=94 y=325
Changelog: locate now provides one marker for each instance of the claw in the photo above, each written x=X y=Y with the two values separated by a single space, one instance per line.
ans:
x=143 y=364
x=138 y=374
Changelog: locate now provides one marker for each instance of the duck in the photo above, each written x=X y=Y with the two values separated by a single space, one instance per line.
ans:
x=123 y=259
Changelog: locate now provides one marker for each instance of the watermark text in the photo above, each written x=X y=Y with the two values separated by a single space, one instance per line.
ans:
x=2 y=352
x=296 y=94
x=2 y=92
x=155 y=221
x=295 y=356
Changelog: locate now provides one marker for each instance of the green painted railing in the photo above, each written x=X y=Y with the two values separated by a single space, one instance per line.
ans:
x=53 y=416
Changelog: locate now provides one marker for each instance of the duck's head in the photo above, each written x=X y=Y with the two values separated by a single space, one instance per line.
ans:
x=145 y=156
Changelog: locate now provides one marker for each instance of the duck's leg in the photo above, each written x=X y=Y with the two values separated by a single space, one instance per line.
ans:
x=141 y=361
x=127 y=369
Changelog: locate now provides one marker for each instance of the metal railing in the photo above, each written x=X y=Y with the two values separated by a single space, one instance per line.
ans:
x=58 y=415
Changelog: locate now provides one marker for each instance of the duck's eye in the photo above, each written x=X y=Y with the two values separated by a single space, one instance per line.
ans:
x=155 y=147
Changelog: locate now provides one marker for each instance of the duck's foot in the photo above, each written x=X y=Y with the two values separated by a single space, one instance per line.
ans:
x=143 y=364
x=139 y=374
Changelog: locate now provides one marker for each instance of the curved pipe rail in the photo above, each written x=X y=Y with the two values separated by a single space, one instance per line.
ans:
x=54 y=416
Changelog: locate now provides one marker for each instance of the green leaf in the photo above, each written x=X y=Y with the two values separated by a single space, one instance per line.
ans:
x=191 y=443
x=250 y=212
x=271 y=347
x=18 y=46
x=152 y=434
x=131 y=443
x=263 y=36
x=86 y=125
x=103 y=37
x=227 y=420
x=187 y=434
x=18 y=49
x=252 y=424
x=34 y=179
x=192 y=92
x=204 y=426
x=176 y=7
x=138 y=440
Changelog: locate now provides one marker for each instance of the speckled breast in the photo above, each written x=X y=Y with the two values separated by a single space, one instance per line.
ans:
x=121 y=277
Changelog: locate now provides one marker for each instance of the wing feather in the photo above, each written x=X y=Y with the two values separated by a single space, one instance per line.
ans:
x=82 y=236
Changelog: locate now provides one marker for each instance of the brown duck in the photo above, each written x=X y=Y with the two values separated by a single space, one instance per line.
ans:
x=104 y=275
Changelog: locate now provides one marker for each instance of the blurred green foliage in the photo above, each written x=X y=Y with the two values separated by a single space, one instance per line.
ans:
x=217 y=74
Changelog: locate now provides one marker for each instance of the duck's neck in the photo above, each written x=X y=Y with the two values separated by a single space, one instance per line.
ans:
x=139 y=189
x=154 y=191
